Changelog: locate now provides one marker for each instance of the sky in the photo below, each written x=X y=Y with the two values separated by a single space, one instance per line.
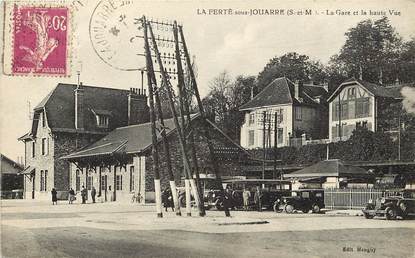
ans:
x=237 y=43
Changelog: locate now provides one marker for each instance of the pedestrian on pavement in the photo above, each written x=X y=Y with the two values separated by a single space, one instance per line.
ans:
x=167 y=199
x=93 y=193
x=71 y=194
x=258 y=199
x=54 y=197
x=83 y=194
x=246 y=194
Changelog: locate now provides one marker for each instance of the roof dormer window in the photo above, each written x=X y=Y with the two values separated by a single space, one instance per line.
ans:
x=102 y=117
x=102 y=120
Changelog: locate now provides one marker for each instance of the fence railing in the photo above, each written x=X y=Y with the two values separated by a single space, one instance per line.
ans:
x=351 y=198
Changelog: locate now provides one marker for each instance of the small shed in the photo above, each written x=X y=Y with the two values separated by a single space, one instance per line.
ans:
x=332 y=174
x=11 y=180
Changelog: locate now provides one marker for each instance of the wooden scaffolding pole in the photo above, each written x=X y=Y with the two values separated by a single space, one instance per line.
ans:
x=167 y=85
x=154 y=153
x=205 y=123
x=185 y=111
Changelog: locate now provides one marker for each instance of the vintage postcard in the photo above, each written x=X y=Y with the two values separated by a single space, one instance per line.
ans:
x=207 y=128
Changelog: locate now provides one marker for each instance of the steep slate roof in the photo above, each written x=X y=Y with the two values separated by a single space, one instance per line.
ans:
x=315 y=90
x=9 y=166
x=130 y=139
x=329 y=168
x=393 y=91
x=60 y=108
x=282 y=91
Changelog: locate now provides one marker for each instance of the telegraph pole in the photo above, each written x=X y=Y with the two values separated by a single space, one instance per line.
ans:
x=154 y=153
x=184 y=110
x=275 y=141
x=264 y=114
x=204 y=118
x=168 y=88
x=166 y=146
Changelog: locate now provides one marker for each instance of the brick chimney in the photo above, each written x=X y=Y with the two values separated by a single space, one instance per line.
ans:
x=298 y=88
x=79 y=107
x=138 y=110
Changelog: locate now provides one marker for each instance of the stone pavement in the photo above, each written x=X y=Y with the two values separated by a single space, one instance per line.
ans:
x=126 y=216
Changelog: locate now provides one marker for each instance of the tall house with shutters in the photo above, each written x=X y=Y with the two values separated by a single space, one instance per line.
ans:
x=356 y=103
x=69 y=118
x=300 y=109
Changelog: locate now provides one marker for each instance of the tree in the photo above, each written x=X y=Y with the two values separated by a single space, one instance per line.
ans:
x=371 y=48
x=225 y=98
x=406 y=71
x=293 y=66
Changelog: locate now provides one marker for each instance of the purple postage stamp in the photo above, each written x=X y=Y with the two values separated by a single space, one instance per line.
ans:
x=40 y=40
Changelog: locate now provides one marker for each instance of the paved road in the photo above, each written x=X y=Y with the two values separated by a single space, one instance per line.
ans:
x=125 y=230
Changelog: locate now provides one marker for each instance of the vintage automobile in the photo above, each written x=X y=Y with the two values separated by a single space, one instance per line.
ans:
x=398 y=203
x=211 y=192
x=303 y=200
x=271 y=191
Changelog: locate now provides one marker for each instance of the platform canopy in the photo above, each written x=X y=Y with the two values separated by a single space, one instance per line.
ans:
x=330 y=168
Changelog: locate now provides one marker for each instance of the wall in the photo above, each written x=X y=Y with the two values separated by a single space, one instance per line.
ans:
x=65 y=144
x=257 y=126
x=124 y=195
x=228 y=166
x=349 y=124
x=60 y=144
x=40 y=162
x=312 y=123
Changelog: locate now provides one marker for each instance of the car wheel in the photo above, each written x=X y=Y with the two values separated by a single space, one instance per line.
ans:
x=390 y=213
x=305 y=210
x=289 y=208
x=276 y=207
x=316 y=208
x=367 y=216
x=218 y=205
x=182 y=201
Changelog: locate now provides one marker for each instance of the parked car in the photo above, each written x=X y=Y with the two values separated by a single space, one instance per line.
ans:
x=211 y=192
x=303 y=200
x=399 y=203
x=271 y=189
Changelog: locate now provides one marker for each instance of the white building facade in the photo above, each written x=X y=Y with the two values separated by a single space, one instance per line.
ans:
x=355 y=104
x=291 y=111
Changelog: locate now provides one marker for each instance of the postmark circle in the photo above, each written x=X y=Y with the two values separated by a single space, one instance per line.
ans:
x=116 y=36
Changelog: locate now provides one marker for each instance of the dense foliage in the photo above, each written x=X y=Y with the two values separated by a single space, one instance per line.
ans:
x=363 y=145
x=372 y=49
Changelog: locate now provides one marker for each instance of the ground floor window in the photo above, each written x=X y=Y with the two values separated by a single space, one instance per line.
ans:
x=280 y=135
x=46 y=180
x=118 y=182
x=89 y=182
x=78 y=181
x=103 y=183
x=42 y=180
x=251 y=137
x=132 y=179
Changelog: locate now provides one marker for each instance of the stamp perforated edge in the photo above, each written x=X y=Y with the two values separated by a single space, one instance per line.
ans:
x=10 y=21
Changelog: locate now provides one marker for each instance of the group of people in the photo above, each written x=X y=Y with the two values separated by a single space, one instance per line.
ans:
x=72 y=195
x=258 y=198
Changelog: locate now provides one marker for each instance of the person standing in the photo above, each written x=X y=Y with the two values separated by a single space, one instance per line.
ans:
x=246 y=194
x=258 y=199
x=93 y=193
x=71 y=196
x=54 y=197
x=83 y=194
